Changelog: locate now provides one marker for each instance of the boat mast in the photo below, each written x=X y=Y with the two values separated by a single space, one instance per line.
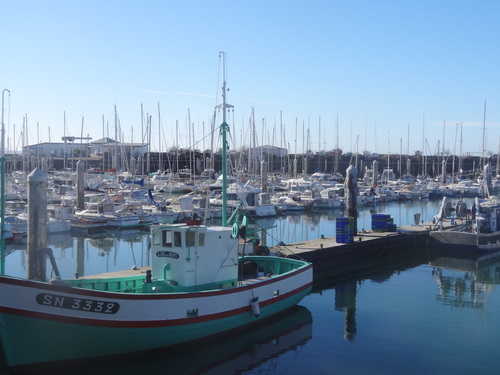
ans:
x=460 y=155
x=142 y=145
x=116 y=141
x=160 y=162
x=424 y=160
x=484 y=135
x=2 y=192
x=224 y=128
x=337 y=145
x=498 y=158
x=148 y=130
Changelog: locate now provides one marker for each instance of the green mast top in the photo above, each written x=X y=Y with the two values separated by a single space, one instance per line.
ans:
x=224 y=128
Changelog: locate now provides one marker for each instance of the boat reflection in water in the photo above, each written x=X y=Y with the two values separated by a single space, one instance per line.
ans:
x=465 y=280
x=229 y=354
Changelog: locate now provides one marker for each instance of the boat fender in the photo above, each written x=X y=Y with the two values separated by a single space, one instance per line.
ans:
x=254 y=304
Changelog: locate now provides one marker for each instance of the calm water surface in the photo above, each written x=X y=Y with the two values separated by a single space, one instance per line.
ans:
x=434 y=315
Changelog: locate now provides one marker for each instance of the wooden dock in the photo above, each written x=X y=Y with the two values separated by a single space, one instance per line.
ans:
x=367 y=250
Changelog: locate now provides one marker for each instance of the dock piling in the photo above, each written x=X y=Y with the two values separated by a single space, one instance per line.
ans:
x=352 y=196
x=80 y=187
x=37 y=224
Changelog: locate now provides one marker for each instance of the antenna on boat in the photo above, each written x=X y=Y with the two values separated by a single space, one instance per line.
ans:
x=224 y=127
x=2 y=192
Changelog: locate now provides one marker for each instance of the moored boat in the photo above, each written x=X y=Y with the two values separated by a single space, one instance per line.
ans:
x=474 y=229
x=197 y=288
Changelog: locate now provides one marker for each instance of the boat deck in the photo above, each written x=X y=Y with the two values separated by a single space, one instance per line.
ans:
x=426 y=228
x=115 y=274
x=245 y=280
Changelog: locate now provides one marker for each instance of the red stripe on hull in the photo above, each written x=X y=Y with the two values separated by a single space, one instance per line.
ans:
x=147 y=324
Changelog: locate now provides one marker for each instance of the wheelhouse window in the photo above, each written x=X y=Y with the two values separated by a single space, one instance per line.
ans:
x=177 y=239
x=190 y=239
x=167 y=238
x=171 y=238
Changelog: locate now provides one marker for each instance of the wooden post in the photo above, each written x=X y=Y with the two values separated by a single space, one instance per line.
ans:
x=37 y=223
x=263 y=175
x=80 y=184
x=352 y=196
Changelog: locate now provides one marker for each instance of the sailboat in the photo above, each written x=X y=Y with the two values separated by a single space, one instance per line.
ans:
x=198 y=286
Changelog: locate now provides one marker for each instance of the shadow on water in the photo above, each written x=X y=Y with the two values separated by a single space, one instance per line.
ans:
x=380 y=265
x=242 y=350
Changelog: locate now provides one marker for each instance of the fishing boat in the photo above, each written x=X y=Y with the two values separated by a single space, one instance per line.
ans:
x=460 y=228
x=198 y=286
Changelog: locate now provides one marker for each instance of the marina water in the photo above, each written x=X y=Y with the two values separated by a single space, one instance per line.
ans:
x=436 y=313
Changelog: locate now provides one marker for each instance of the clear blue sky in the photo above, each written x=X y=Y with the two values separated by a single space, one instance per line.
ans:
x=380 y=67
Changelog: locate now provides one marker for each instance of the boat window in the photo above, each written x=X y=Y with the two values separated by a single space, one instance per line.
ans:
x=177 y=239
x=108 y=207
x=251 y=199
x=201 y=239
x=190 y=238
x=158 y=239
x=167 y=238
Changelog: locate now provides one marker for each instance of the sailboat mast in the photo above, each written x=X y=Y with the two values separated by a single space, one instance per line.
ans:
x=498 y=157
x=484 y=130
x=282 y=160
x=116 y=140
x=142 y=144
x=148 y=127
x=460 y=157
x=160 y=162
x=424 y=161
x=2 y=193
x=337 y=144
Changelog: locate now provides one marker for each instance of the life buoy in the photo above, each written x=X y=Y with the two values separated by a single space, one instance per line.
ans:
x=236 y=230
